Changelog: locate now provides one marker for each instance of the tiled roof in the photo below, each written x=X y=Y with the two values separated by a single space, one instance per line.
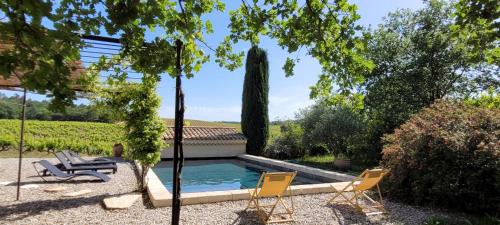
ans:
x=212 y=135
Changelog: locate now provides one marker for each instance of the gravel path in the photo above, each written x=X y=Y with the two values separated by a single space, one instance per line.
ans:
x=39 y=207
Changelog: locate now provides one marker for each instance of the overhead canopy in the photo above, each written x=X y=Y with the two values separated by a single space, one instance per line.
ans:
x=15 y=79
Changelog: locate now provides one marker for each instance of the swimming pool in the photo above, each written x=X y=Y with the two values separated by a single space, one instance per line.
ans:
x=218 y=175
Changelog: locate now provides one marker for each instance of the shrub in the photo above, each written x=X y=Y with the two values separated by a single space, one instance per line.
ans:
x=332 y=126
x=288 y=144
x=447 y=155
x=319 y=149
x=491 y=99
x=6 y=143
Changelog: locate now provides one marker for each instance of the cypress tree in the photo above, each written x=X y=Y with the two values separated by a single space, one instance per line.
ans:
x=254 y=113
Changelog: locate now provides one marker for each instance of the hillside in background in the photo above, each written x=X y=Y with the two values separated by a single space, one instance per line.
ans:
x=202 y=123
x=10 y=108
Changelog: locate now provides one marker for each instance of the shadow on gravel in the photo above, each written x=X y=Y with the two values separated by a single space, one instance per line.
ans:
x=247 y=217
x=21 y=210
x=346 y=214
x=32 y=208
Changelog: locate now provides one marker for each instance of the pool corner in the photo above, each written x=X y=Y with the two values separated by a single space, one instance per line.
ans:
x=157 y=192
x=161 y=197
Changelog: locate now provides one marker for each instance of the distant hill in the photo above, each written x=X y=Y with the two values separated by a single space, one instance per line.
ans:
x=202 y=123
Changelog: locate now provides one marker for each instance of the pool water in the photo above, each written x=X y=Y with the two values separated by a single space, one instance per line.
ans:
x=217 y=175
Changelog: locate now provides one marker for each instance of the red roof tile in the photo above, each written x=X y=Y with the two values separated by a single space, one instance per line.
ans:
x=218 y=134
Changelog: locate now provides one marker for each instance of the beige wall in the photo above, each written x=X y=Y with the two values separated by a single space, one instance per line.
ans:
x=206 y=151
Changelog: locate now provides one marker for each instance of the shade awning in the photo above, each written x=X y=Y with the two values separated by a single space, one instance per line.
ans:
x=77 y=71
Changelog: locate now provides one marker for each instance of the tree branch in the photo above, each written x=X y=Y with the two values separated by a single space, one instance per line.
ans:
x=245 y=5
x=205 y=43
x=183 y=12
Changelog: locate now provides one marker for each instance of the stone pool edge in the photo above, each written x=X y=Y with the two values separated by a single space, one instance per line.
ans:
x=161 y=197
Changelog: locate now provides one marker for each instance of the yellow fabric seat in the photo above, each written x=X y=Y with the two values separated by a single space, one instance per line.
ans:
x=272 y=185
x=368 y=180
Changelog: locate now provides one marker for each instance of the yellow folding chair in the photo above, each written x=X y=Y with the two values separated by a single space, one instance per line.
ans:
x=364 y=182
x=272 y=185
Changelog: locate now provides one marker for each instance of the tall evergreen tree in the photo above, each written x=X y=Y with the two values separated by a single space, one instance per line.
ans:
x=254 y=114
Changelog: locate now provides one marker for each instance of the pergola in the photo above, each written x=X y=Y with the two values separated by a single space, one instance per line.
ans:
x=14 y=83
x=97 y=46
x=107 y=46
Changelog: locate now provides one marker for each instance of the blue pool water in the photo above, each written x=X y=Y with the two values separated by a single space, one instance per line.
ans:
x=217 y=175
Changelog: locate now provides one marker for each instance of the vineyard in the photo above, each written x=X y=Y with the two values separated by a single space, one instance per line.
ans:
x=85 y=137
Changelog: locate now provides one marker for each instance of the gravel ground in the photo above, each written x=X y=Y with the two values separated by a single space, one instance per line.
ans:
x=39 y=207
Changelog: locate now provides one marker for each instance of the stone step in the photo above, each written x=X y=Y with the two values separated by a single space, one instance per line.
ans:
x=121 y=202
x=55 y=189
x=77 y=193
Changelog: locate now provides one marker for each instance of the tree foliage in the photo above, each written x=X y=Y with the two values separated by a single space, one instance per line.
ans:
x=326 y=29
x=418 y=60
x=43 y=58
x=333 y=126
x=476 y=22
x=137 y=105
x=10 y=108
x=490 y=100
x=254 y=112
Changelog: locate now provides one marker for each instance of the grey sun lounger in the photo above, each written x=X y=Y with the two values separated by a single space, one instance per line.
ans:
x=76 y=160
x=60 y=175
x=66 y=165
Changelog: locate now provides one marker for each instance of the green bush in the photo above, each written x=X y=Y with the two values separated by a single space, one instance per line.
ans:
x=319 y=149
x=288 y=145
x=490 y=99
x=447 y=155
x=332 y=126
x=6 y=143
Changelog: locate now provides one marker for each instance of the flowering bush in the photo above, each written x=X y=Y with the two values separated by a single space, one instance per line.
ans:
x=446 y=155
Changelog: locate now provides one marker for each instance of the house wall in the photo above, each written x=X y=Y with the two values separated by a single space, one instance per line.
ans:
x=206 y=151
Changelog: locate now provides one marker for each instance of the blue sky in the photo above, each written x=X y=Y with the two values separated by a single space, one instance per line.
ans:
x=214 y=93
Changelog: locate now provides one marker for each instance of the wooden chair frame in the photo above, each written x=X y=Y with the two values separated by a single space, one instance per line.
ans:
x=266 y=217
x=354 y=187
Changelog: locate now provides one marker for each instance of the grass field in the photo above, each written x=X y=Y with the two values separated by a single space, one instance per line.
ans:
x=326 y=162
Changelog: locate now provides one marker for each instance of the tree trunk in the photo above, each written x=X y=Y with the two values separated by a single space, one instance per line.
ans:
x=178 y=160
